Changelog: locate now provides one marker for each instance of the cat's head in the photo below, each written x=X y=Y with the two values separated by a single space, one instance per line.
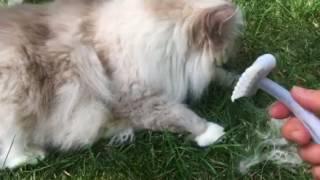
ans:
x=174 y=43
x=209 y=27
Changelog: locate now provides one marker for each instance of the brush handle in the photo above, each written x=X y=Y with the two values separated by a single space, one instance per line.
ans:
x=310 y=121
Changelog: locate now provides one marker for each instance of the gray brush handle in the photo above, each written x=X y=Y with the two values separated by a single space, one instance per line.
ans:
x=310 y=120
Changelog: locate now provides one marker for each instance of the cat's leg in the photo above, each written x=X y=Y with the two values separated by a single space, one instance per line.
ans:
x=158 y=113
x=77 y=119
x=14 y=147
x=81 y=110
x=17 y=112
x=176 y=117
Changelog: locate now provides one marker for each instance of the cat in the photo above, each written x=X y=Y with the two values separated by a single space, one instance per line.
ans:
x=75 y=71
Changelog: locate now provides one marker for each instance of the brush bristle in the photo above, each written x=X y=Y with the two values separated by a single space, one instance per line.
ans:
x=247 y=84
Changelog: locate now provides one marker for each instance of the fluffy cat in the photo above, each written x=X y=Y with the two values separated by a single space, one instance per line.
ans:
x=75 y=71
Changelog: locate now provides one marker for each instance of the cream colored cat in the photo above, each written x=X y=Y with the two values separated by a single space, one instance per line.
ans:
x=74 y=71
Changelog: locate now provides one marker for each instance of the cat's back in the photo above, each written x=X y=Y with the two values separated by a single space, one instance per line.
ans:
x=33 y=41
x=22 y=24
x=38 y=33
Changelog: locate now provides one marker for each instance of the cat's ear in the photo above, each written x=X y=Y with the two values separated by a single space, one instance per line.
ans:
x=214 y=25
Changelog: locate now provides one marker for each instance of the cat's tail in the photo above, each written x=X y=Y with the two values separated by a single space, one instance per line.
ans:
x=91 y=71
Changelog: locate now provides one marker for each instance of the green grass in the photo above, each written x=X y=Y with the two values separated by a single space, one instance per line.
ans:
x=288 y=29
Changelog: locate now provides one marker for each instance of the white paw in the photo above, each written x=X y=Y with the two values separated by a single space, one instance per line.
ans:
x=125 y=136
x=15 y=160
x=211 y=135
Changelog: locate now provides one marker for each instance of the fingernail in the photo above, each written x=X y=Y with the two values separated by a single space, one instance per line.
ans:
x=299 y=89
x=300 y=93
x=303 y=91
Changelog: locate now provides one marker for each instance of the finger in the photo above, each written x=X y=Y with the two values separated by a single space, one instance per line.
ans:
x=310 y=153
x=316 y=172
x=279 y=111
x=310 y=99
x=294 y=131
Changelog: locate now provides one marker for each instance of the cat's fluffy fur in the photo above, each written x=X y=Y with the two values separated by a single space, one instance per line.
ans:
x=74 y=71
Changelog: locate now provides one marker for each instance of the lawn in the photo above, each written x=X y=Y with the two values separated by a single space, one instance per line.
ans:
x=288 y=29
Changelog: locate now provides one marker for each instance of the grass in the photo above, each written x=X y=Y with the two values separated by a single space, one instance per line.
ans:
x=288 y=29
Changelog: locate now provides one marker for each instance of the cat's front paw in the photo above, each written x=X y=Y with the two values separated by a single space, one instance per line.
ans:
x=211 y=135
x=125 y=136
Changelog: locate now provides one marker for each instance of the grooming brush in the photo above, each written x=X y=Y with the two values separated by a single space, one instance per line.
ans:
x=254 y=78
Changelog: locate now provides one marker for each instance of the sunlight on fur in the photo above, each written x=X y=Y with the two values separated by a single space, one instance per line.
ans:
x=14 y=2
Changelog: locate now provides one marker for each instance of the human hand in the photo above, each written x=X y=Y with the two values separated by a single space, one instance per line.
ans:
x=294 y=130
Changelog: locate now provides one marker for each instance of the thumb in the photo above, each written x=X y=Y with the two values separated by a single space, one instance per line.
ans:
x=309 y=99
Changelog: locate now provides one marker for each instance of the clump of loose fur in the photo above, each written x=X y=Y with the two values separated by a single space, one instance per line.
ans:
x=272 y=147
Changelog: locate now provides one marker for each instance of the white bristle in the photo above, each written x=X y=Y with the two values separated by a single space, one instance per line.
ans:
x=247 y=84
x=244 y=87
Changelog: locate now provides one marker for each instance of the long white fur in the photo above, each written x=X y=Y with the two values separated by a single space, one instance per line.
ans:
x=183 y=69
x=91 y=72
